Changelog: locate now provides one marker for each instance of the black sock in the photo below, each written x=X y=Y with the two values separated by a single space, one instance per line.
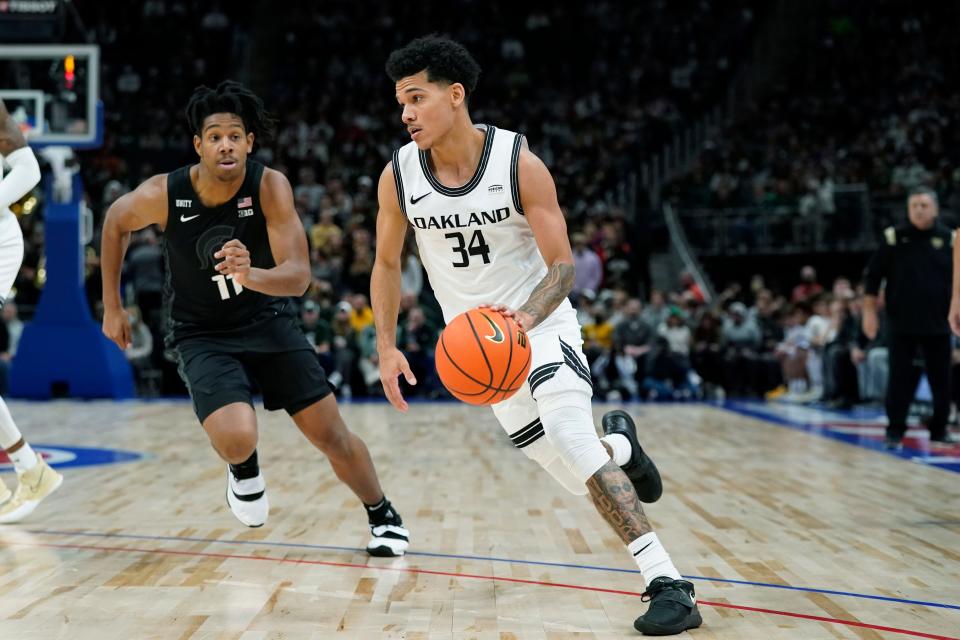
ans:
x=247 y=469
x=382 y=513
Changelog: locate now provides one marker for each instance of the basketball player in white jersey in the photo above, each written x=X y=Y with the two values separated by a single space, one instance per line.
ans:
x=35 y=479
x=490 y=231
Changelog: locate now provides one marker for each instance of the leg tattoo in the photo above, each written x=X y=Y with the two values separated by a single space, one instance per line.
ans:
x=615 y=498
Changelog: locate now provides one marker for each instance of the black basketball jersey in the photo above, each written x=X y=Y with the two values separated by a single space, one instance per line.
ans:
x=196 y=297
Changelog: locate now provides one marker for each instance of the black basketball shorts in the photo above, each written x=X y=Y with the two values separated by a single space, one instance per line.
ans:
x=274 y=359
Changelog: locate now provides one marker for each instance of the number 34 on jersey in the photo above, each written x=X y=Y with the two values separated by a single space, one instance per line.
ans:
x=477 y=247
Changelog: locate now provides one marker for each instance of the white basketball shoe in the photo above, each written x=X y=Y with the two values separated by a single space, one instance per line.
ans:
x=248 y=499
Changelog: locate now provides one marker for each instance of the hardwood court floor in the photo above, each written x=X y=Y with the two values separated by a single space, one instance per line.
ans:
x=867 y=545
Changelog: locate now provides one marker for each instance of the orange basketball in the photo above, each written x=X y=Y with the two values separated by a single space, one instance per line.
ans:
x=482 y=357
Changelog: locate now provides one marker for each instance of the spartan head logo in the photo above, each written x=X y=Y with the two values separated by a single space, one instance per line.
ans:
x=210 y=242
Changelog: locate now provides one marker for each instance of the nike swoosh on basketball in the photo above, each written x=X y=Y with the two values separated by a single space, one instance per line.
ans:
x=184 y=218
x=497 y=336
x=416 y=200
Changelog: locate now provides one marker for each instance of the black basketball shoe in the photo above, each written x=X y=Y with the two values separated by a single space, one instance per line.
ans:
x=640 y=468
x=672 y=610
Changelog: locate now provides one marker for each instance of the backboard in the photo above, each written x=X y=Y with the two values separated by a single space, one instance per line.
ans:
x=53 y=92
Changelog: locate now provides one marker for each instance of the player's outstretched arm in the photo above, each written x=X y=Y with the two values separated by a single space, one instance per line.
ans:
x=24 y=170
x=538 y=195
x=288 y=244
x=385 y=288
x=145 y=205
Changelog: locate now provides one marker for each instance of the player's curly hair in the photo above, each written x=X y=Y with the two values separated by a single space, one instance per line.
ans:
x=445 y=60
x=230 y=97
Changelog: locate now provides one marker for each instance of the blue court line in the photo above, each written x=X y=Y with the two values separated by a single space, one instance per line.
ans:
x=427 y=554
x=822 y=430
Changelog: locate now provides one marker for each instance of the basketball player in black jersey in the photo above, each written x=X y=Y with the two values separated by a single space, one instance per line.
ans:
x=235 y=251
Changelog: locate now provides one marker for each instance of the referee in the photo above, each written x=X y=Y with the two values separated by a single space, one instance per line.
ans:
x=915 y=258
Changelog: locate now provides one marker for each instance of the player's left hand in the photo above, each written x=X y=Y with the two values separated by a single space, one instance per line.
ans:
x=522 y=318
x=235 y=261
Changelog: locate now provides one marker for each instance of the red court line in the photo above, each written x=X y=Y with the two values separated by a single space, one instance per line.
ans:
x=561 y=585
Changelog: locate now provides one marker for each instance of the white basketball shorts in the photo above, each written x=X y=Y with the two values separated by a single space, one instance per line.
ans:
x=558 y=366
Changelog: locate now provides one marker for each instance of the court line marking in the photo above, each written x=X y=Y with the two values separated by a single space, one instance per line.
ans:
x=561 y=585
x=822 y=429
x=428 y=554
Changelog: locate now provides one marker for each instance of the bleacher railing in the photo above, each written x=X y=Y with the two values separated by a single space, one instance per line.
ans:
x=849 y=226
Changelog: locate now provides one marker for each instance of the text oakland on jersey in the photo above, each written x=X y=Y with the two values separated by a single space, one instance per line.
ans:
x=456 y=220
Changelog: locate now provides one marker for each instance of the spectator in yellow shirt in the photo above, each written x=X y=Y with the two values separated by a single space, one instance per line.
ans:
x=597 y=334
x=322 y=232
x=361 y=315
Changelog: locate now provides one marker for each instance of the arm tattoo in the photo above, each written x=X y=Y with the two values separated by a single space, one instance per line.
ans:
x=616 y=500
x=549 y=293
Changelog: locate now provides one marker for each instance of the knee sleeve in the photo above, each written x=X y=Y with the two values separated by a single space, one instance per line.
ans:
x=531 y=438
x=534 y=445
x=569 y=427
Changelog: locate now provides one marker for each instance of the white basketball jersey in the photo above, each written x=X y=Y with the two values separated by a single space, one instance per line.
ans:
x=11 y=247
x=474 y=241
x=3 y=210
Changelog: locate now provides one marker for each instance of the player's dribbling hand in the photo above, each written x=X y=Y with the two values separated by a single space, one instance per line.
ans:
x=393 y=364
x=522 y=318
x=235 y=261
x=116 y=326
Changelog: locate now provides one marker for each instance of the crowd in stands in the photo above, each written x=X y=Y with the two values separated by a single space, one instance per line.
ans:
x=871 y=101
x=338 y=123
x=653 y=66
x=803 y=345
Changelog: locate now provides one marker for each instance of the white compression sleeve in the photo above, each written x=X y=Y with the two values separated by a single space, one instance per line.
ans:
x=569 y=427
x=24 y=175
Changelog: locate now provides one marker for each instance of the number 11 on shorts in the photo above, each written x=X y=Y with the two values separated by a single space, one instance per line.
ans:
x=221 y=281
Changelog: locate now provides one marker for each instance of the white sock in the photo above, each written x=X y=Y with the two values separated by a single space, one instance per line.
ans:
x=23 y=458
x=652 y=558
x=9 y=434
x=620 y=446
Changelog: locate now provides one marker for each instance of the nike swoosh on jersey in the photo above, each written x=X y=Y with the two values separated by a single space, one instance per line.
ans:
x=416 y=200
x=497 y=336
x=188 y=218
